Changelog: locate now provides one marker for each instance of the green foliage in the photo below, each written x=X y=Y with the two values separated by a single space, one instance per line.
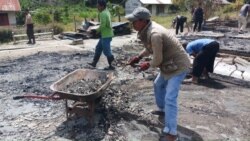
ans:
x=229 y=8
x=92 y=14
x=25 y=4
x=84 y=14
x=20 y=18
x=66 y=11
x=173 y=8
x=32 y=4
x=116 y=10
x=181 y=4
x=6 y=35
x=42 y=17
x=57 y=16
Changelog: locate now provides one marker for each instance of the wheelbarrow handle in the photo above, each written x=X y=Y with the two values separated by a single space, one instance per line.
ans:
x=52 y=97
x=18 y=97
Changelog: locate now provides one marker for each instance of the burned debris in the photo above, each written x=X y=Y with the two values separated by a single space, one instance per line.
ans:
x=119 y=28
x=84 y=87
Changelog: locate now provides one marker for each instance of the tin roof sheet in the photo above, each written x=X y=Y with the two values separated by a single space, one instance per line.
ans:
x=10 y=5
x=156 y=1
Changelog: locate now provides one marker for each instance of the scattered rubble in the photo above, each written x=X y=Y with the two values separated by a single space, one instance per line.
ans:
x=84 y=87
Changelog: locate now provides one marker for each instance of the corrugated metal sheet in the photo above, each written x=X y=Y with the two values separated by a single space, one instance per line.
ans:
x=156 y=1
x=222 y=2
x=10 y=5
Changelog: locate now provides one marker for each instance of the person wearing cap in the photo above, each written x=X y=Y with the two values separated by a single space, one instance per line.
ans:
x=169 y=56
x=106 y=31
x=243 y=17
x=204 y=51
x=29 y=27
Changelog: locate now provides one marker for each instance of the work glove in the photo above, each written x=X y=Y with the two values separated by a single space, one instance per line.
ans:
x=134 y=60
x=144 y=66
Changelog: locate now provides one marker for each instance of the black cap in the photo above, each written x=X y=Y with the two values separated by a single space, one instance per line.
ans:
x=102 y=3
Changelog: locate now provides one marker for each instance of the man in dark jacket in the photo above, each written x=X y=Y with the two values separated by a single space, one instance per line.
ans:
x=179 y=22
x=198 y=17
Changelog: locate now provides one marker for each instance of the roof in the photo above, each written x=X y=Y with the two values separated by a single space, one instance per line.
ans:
x=10 y=5
x=156 y=1
x=222 y=2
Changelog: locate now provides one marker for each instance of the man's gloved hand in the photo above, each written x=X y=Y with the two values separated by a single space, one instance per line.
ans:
x=144 y=66
x=134 y=60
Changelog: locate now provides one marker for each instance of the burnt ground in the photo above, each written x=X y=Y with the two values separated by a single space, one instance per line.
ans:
x=216 y=109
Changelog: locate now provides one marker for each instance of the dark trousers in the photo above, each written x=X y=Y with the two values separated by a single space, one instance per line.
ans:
x=197 y=22
x=180 y=25
x=205 y=59
x=30 y=32
x=104 y=46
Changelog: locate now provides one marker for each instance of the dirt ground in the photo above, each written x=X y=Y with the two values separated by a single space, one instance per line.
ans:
x=216 y=109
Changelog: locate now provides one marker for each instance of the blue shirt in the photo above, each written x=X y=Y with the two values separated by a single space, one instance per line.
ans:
x=197 y=45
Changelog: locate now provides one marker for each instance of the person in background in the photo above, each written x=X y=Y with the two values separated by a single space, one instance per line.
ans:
x=106 y=31
x=29 y=27
x=179 y=22
x=168 y=55
x=204 y=51
x=243 y=17
x=198 y=17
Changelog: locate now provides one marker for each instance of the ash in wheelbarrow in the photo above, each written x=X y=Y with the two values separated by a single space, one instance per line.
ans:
x=83 y=87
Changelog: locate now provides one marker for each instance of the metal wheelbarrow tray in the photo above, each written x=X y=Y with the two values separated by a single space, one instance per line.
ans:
x=80 y=99
x=82 y=74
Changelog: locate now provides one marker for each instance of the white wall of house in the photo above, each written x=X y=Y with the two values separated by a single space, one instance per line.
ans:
x=12 y=18
x=130 y=5
x=153 y=9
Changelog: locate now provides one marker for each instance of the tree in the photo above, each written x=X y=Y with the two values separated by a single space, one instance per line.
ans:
x=116 y=10
x=181 y=3
x=42 y=17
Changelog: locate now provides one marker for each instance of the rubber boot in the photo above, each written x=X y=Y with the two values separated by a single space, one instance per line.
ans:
x=110 y=60
x=34 y=40
x=29 y=37
x=29 y=42
x=95 y=60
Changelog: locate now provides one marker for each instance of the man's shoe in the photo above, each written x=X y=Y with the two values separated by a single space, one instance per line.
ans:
x=29 y=42
x=158 y=112
x=168 y=137
x=241 y=32
x=92 y=64
x=109 y=68
x=190 y=81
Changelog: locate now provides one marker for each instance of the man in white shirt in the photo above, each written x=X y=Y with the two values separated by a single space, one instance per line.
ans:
x=243 y=17
x=29 y=27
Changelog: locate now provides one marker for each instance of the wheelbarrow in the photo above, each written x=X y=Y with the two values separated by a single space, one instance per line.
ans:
x=86 y=101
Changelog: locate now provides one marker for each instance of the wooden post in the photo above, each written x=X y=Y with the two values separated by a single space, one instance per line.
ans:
x=75 y=22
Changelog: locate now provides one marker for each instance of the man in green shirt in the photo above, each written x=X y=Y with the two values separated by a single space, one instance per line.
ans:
x=106 y=32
